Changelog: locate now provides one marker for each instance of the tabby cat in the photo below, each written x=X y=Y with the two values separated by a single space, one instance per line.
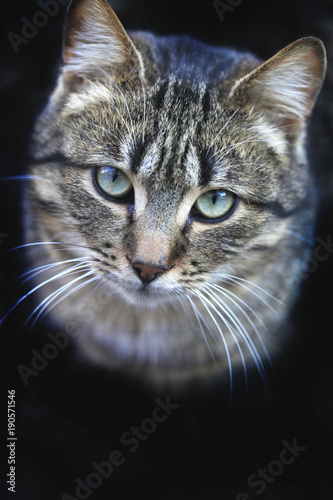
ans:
x=168 y=181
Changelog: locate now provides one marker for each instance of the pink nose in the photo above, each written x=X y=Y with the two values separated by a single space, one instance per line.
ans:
x=147 y=273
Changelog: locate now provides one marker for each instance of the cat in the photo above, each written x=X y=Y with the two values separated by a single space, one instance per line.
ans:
x=168 y=180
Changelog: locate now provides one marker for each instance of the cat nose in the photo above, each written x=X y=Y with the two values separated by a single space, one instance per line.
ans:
x=146 y=272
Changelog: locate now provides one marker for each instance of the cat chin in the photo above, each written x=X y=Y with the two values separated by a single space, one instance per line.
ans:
x=144 y=296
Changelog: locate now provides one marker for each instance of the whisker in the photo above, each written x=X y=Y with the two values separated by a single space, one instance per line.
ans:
x=231 y=314
x=204 y=302
x=224 y=126
x=200 y=318
x=108 y=132
x=126 y=104
x=68 y=245
x=226 y=293
x=123 y=119
x=144 y=110
x=59 y=275
x=234 y=333
x=238 y=328
x=236 y=279
x=38 y=270
x=49 y=299
x=113 y=82
x=233 y=146
x=266 y=165
x=20 y=178
x=300 y=237
x=245 y=336
x=73 y=270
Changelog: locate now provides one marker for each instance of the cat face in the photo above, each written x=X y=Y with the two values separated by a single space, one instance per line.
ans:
x=169 y=170
x=164 y=166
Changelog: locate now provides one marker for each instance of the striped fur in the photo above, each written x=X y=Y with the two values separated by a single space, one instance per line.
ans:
x=179 y=118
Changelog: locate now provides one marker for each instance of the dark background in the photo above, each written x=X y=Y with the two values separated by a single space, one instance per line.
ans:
x=71 y=415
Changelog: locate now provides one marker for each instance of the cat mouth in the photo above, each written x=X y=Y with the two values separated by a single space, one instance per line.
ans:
x=147 y=290
x=143 y=293
x=134 y=290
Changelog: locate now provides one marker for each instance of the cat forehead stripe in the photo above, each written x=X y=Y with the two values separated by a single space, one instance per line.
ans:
x=167 y=152
x=168 y=162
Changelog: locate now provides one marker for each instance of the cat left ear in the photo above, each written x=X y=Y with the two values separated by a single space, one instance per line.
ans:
x=95 y=44
x=284 y=88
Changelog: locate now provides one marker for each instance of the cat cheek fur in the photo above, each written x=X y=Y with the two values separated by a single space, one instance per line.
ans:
x=179 y=118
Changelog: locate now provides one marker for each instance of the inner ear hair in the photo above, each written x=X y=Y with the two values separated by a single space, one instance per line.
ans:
x=95 y=43
x=285 y=87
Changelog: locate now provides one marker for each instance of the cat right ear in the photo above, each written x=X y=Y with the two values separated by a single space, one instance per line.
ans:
x=96 y=45
x=284 y=88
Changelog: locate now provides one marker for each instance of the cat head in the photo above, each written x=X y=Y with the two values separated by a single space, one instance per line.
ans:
x=168 y=164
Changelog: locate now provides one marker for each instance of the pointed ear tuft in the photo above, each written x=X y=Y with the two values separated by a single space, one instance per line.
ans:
x=285 y=87
x=96 y=42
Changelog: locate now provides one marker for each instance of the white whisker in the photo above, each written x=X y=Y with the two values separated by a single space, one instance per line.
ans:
x=204 y=302
x=38 y=270
x=224 y=126
x=114 y=84
x=73 y=270
x=41 y=243
x=144 y=110
x=226 y=150
x=236 y=279
x=244 y=335
x=300 y=237
x=199 y=319
x=37 y=287
x=227 y=293
x=46 y=302
x=20 y=178
x=108 y=132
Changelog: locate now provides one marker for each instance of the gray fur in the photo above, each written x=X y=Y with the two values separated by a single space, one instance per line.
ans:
x=158 y=116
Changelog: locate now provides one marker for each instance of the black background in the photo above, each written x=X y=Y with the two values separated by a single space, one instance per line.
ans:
x=71 y=415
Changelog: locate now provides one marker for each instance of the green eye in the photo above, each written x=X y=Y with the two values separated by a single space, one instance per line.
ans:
x=113 y=182
x=215 y=204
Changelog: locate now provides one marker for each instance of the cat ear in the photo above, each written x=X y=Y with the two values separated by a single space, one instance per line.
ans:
x=285 y=87
x=95 y=44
